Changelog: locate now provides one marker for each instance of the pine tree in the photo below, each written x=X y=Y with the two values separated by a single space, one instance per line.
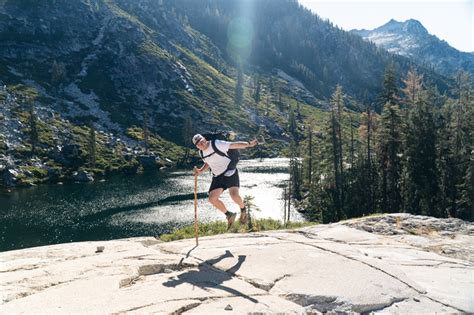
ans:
x=310 y=154
x=33 y=124
x=239 y=87
x=292 y=126
x=352 y=147
x=280 y=102
x=448 y=161
x=367 y=167
x=463 y=127
x=296 y=178
x=390 y=90
x=421 y=182
x=187 y=134
x=92 y=145
x=389 y=157
x=146 y=132
x=336 y=136
x=465 y=203
x=256 y=95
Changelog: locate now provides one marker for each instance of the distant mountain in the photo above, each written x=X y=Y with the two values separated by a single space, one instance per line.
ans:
x=411 y=39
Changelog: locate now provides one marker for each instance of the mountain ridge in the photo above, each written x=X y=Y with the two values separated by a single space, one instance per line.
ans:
x=411 y=39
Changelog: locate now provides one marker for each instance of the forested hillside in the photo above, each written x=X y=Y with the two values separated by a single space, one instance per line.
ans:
x=417 y=156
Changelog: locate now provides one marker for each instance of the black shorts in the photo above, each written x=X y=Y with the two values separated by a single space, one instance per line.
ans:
x=225 y=182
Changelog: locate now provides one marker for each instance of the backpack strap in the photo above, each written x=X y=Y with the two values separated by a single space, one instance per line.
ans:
x=204 y=157
x=219 y=152
x=216 y=150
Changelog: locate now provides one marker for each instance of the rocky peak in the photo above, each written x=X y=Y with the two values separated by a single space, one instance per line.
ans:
x=410 y=26
x=414 y=26
x=411 y=39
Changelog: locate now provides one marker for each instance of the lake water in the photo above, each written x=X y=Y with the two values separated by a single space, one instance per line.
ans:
x=127 y=206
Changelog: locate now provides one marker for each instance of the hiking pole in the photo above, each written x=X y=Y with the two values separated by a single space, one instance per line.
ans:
x=195 y=207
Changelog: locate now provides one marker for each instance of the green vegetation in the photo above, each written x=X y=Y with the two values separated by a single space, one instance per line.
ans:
x=214 y=228
x=415 y=156
x=51 y=132
x=157 y=144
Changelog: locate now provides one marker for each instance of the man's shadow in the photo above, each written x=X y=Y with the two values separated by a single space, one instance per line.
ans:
x=207 y=276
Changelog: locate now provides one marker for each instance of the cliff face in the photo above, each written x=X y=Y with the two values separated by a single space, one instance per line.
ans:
x=403 y=266
x=94 y=59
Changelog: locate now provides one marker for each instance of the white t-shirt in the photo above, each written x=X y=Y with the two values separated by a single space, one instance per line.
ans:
x=216 y=162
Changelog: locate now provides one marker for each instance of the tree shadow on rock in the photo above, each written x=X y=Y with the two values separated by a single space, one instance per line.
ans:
x=208 y=277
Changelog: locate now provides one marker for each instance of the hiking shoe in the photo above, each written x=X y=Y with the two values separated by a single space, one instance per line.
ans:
x=243 y=217
x=230 y=220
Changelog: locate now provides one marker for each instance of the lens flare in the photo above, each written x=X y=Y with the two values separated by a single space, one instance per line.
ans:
x=240 y=34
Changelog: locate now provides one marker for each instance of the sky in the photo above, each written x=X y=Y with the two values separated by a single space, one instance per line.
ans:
x=449 y=20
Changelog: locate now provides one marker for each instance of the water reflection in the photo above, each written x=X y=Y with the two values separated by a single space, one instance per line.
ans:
x=125 y=206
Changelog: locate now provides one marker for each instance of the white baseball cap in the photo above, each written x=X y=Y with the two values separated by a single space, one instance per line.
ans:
x=197 y=137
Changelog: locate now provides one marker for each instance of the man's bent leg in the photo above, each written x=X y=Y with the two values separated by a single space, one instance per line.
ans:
x=235 y=195
x=215 y=201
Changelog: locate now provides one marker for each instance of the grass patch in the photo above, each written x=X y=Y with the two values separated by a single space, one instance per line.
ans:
x=220 y=227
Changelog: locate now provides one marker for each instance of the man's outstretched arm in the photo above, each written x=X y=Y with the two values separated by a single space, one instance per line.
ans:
x=243 y=144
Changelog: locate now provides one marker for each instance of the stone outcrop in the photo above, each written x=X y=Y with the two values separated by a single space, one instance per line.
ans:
x=82 y=176
x=323 y=268
x=147 y=161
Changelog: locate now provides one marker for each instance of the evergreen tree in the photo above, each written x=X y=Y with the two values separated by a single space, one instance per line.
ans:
x=146 y=132
x=33 y=124
x=463 y=127
x=187 y=134
x=336 y=137
x=92 y=145
x=421 y=183
x=352 y=147
x=310 y=154
x=367 y=167
x=280 y=103
x=466 y=201
x=292 y=125
x=296 y=179
x=239 y=87
x=256 y=95
x=389 y=88
x=448 y=159
x=389 y=157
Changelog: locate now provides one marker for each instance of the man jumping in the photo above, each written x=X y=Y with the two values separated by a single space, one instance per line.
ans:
x=223 y=176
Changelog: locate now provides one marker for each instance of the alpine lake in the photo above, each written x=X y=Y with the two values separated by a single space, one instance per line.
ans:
x=148 y=204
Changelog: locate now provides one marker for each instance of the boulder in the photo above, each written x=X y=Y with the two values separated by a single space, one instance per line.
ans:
x=128 y=157
x=69 y=155
x=82 y=176
x=147 y=161
x=54 y=173
x=6 y=162
x=10 y=177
